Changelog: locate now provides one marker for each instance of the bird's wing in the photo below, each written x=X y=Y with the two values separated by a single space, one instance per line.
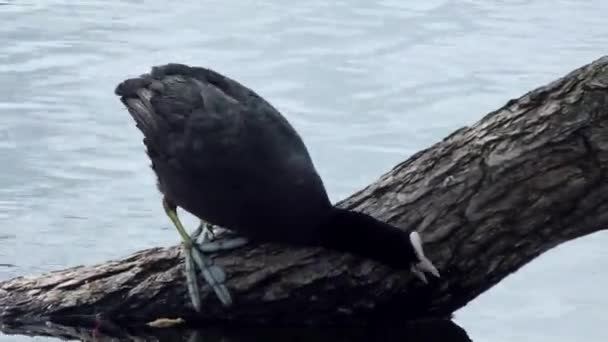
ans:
x=193 y=114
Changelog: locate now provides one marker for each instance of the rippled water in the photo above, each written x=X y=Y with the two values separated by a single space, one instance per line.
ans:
x=367 y=83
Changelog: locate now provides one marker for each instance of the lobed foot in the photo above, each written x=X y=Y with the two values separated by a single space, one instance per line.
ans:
x=195 y=257
x=223 y=245
x=211 y=243
x=214 y=276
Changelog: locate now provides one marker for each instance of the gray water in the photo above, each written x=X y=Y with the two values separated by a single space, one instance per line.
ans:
x=367 y=83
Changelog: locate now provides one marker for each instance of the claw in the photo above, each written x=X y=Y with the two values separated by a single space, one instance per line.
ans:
x=214 y=276
x=193 y=290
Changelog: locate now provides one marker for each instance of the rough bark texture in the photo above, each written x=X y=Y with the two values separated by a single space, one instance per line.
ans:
x=488 y=199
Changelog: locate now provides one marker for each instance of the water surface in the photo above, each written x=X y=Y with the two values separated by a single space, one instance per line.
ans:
x=367 y=83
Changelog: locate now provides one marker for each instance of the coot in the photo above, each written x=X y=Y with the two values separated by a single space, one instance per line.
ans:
x=225 y=155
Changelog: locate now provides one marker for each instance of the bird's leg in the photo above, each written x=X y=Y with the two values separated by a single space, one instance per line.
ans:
x=213 y=274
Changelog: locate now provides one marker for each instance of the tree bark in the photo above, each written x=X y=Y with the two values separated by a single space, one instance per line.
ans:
x=487 y=199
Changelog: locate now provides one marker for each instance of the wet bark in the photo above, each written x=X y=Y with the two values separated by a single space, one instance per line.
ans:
x=487 y=199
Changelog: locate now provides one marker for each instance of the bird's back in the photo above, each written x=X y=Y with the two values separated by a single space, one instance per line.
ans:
x=224 y=154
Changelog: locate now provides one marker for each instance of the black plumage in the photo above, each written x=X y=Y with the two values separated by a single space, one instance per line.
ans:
x=224 y=154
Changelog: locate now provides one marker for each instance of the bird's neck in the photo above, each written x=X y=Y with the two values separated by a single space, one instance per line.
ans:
x=365 y=236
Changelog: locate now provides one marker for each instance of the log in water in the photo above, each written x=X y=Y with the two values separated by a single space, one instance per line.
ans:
x=487 y=199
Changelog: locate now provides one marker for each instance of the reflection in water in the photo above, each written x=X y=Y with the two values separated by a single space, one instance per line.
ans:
x=433 y=330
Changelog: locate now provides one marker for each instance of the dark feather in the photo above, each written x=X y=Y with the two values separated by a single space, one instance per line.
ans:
x=207 y=134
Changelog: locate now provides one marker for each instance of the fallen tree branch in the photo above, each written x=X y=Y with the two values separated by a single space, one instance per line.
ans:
x=488 y=199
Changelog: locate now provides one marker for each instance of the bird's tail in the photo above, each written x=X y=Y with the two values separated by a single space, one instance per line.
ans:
x=136 y=94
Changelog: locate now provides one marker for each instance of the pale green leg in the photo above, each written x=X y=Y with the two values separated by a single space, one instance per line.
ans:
x=214 y=275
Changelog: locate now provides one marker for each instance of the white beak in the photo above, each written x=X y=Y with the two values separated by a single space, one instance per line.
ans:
x=424 y=264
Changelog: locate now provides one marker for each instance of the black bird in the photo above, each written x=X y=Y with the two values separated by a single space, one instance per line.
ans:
x=224 y=154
